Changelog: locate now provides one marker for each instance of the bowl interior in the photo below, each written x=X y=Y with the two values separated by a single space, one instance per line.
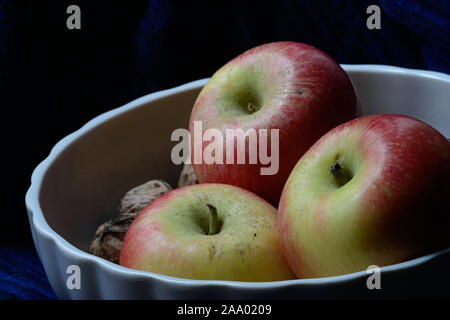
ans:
x=85 y=182
x=402 y=91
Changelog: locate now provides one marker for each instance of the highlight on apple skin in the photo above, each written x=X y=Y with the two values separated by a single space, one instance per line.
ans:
x=289 y=86
x=373 y=191
x=207 y=232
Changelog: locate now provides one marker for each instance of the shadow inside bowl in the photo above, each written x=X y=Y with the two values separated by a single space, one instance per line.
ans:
x=85 y=182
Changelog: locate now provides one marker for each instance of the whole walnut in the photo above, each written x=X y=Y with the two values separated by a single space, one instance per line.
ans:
x=187 y=176
x=138 y=198
x=108 y=239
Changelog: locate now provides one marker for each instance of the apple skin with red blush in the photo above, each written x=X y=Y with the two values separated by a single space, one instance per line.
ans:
x=289 y=86
x=207 y=232
x=372 y=191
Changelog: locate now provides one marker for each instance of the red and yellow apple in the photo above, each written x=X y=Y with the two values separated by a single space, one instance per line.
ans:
x=373 y=191
x=289 y=86
x=209 y=232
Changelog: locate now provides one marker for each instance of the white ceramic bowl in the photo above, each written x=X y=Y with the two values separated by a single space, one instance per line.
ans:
x=80 y=184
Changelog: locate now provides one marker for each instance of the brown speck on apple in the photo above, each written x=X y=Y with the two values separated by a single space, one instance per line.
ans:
x=212 y=251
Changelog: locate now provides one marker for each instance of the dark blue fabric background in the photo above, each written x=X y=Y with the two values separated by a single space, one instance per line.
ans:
x=53 y=80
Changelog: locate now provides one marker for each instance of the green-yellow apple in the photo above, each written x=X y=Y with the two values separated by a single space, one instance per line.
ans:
x=207 y=231
x=373 y=191
x=287 y=86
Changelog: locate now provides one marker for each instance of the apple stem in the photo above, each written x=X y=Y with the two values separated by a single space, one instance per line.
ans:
x=213 y=221
x=251 y=107
x=335 y=168
x=339 y=173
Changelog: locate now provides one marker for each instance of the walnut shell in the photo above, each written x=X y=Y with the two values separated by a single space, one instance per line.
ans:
x=187 y=176
x=108 y=239
x=138 y=198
